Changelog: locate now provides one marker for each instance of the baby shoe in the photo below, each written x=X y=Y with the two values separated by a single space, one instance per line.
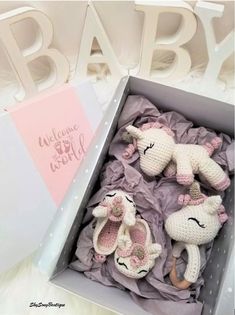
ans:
x=136 y=253
x=116 y=211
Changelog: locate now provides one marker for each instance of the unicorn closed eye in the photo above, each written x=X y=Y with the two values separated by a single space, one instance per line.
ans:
x=158 y=151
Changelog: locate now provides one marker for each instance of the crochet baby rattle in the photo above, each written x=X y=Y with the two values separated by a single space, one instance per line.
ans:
x=158 y=151
x=197 y=223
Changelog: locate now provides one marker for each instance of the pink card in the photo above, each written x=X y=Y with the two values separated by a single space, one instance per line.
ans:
x=57 y=133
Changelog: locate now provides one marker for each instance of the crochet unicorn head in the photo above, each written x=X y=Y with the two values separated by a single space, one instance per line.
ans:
x=158 y=151
x=155 y=144
x=195 y=224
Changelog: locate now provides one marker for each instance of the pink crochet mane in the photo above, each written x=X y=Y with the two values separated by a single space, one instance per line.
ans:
x=158 y=126
x=131 y=148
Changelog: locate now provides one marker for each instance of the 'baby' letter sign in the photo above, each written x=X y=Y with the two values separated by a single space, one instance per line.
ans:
x=153 y=41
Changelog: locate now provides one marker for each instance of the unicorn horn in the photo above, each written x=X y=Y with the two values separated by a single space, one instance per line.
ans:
x=212 y=204
x=135 y=132
x=195 y=191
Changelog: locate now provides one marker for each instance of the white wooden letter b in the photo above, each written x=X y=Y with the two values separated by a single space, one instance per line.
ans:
x=19 y=60
x=182 y=63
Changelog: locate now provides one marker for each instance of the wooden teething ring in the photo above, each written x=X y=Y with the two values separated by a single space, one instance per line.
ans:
x=180 y=284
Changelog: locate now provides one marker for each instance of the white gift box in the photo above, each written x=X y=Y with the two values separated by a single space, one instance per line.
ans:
x=29 y=196
x=59 y=245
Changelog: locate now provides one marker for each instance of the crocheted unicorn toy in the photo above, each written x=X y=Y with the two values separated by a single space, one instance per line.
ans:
x=158 y=151
x=195 y=224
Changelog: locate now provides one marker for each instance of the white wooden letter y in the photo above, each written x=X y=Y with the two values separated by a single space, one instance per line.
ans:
x=217 y=53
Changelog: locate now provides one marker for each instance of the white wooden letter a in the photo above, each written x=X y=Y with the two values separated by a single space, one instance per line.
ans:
x=94 y=29
x=19 y=60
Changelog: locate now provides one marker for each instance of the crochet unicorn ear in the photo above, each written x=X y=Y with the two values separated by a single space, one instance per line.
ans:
x=124 y=241
x=212 y=204
x=100 y=212
x=154 y=250
x=135 y=132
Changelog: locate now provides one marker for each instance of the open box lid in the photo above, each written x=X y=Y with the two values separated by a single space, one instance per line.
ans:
x=53 y=243
x=44 y=140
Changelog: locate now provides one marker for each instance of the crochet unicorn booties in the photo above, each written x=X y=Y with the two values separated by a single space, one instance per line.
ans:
x=136 y=253
x=158 y=151
x=116 y=211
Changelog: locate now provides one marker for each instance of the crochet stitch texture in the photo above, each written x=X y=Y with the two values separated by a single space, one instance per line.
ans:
x=191 y=226
x=158 y=151
x=136 y=253
x=116 y=211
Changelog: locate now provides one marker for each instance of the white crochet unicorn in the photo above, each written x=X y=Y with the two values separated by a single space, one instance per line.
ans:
x=158 y=151
x=195 y=224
